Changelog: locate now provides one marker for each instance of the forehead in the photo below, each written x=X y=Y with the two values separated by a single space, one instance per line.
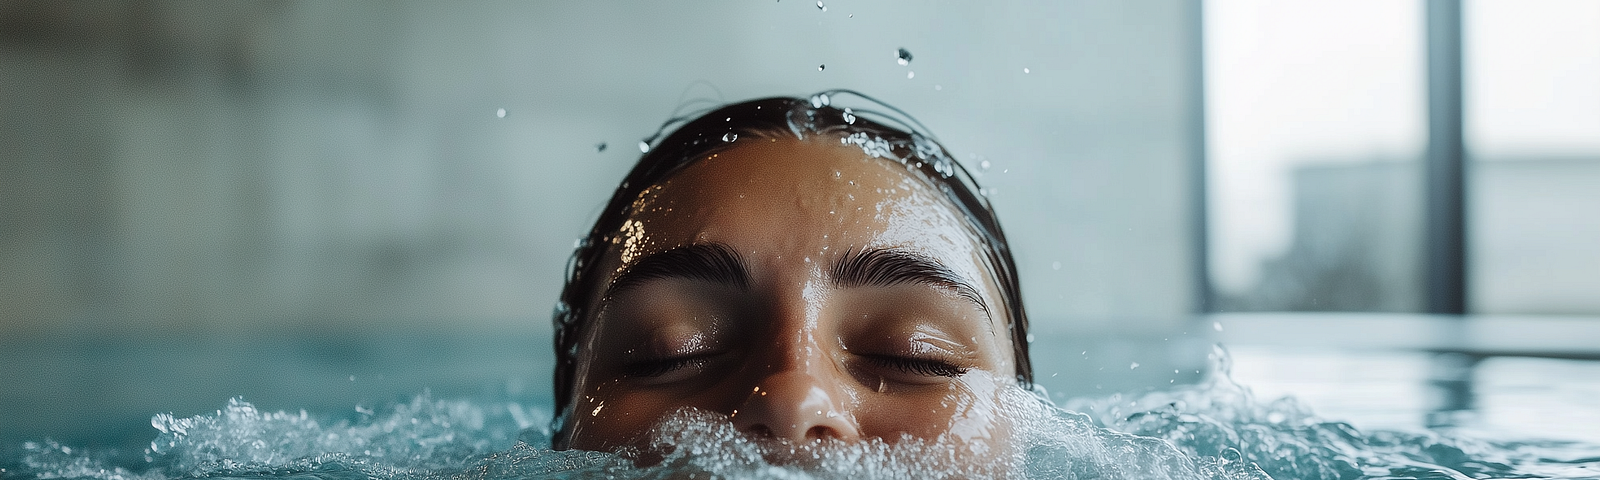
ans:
x=778 y=197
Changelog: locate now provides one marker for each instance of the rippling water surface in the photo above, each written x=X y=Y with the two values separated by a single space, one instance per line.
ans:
x=1213 y=430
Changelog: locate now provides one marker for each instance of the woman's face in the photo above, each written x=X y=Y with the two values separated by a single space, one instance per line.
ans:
x=803 y=289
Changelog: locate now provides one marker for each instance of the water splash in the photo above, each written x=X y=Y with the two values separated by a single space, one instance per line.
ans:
x=1215 y=429
x=902 y=56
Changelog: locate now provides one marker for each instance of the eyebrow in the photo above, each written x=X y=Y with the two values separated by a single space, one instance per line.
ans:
x=887 y=268
x=711 y=262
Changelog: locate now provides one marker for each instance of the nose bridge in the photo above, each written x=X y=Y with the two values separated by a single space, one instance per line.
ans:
x=794 y=405
x=796 y=394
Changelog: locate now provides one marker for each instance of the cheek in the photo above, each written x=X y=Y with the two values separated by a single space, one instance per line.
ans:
x=610 y=416
x=966 y=411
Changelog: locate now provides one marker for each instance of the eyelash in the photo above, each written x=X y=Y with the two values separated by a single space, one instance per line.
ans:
x=931 y=368
x=656 y=368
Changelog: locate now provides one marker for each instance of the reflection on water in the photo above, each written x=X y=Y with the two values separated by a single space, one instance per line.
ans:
x=1451 y=380
x=1213 y=429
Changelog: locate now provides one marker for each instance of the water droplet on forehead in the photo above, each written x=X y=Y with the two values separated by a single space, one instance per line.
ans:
x=849 y=116
x=644 y=147
x=730 y=136
x=903 y=56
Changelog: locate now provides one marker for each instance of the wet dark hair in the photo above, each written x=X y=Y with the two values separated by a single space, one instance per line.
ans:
x=698 y=135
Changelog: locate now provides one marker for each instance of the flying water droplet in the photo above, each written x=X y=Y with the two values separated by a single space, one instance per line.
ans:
x=903 y=56
x=1025 y=70
x=822 y=67
x=1133 y=366
x=984 y=166
x=500 y=113
x=1216 y=326
x=1055 y=265
x=730 y=136
x=600 y=147
x=644 y=147
x=911 y=75
x=822 y=7
x=849 y=116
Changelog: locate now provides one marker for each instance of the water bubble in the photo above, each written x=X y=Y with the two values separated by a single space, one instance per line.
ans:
x=819 y=100
x=730 y=136
x=821 y=67
x=644 y=147
x=500 y=113
x=600 y=147
x=849 y=116
x=903 y=56
x=911 y=75
x=822 y=7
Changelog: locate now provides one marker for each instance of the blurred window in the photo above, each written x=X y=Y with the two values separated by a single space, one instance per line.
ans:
x=1316 y=124
x=1532 y=107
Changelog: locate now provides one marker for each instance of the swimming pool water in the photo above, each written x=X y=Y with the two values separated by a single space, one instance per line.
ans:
x=1119 y=407
x=1210 y=428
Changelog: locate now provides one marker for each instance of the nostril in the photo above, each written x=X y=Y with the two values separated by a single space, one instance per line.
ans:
x=820 y=432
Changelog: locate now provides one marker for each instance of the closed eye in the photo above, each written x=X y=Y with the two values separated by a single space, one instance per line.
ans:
x=659 y=367
x=918 y=366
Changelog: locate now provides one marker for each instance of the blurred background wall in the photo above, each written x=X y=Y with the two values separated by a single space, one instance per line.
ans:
x=200 y=167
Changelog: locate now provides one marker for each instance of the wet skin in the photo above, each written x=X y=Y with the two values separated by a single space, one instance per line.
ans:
x=804 y=289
